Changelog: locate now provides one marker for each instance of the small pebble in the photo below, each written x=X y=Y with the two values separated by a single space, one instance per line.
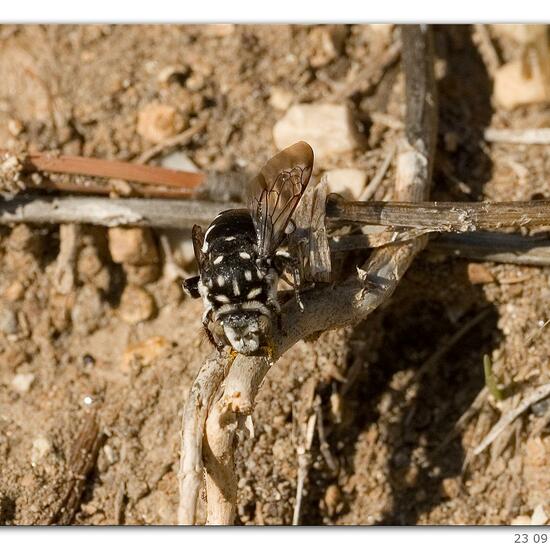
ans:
x=348 y=182
x=328 y=128
x=132 y=245
x=478 y=274
x=179 y=161
x=513 y=87
x=136 y=305
x=14 y=292
x=89 y=263
x=109 y=454
x=141 y=274
x=539 y=516
x=218 y=30
x=41 y=448
x=332 y=499
x=8 y=321
x=280 y=98
x=22 y=382
x=87 y=310
x=157 y=122
x=326 y=43
x=521 y=520
x=145 y=352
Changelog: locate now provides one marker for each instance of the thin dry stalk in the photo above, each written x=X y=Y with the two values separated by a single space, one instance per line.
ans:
x=373 y=185
x=352 y=300
x=536 y=395
x=303 y=448
x=442 y=350
x=179 y=140
x=527 y=136
x=482 y=38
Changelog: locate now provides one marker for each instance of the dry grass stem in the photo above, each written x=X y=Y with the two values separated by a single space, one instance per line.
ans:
x=536 y=395
x=527 y=136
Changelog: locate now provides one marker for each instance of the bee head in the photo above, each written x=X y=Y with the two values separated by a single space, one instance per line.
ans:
x=246 y=330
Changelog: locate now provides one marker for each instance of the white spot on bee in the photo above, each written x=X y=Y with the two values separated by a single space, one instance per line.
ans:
x=220 y=280
x=208 y=231
x=282 y=254
x=218 y=260
x=236 y=290
x=204 y=246
x=258 y=273
x=248 y=275
x=253 y=293
x=208 y=283
x=244 y=255
x=222 y=298
x=229 y=238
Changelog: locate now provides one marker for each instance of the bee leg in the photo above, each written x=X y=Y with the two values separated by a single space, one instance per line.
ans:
x=283 y=260
x=191 y=286
x=206 y=318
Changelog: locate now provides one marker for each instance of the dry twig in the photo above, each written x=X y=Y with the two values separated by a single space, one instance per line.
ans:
x=441 y=216
x=485 y=246
x=536 y=395
x=344 y=303
x=486 y=47
x=527 y=136
x=129 y=171
x=178 y=140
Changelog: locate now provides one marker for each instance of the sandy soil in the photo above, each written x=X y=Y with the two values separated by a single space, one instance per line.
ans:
x=394 y=456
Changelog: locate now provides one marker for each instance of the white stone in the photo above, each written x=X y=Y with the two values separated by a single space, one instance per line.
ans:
x=41 y=448
x=348 y=182
x=539 y=516
x=22 y=382
x=383 y=31
x=179 y=161
x=523 y=34
x=280 y=98
x=328 y=128
x=513 y=87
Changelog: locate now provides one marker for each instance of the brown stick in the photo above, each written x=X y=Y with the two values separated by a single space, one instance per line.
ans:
x=151 y=175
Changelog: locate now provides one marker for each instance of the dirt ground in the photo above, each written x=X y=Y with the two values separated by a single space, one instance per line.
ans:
x=395 y=453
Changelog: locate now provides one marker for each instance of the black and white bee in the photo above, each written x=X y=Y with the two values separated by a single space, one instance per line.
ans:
x=239 y=256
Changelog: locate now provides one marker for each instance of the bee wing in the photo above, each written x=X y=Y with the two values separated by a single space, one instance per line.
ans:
x=276 y=191
x=197 y=236
x=310 y=239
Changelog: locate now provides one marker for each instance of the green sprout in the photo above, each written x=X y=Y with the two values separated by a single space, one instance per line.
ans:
x=490 y=380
